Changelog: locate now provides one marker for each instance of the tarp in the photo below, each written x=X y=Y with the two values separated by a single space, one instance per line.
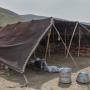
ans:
x=19 y=40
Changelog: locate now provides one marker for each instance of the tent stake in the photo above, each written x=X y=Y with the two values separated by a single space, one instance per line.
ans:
x=47 y=43
x=72 y=38
x=79 y=41
x=53 y=40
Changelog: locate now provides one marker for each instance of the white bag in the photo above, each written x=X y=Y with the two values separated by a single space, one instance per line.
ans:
x=52 y=69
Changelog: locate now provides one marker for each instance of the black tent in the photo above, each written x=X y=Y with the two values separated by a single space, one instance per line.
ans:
x=18 y=41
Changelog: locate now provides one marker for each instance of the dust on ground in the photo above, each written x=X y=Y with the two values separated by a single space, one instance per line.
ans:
x=47 y=81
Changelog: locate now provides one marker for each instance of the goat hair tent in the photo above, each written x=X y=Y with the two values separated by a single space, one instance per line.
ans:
x=18 y=41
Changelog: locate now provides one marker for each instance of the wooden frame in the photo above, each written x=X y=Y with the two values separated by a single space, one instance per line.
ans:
x=48 y=43
x=65 y=40
x=72 y=38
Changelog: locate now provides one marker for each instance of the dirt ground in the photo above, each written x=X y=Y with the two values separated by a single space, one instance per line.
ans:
x=48 y=81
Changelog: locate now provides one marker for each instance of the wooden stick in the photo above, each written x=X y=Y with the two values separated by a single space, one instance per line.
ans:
x=65 y=40
x=53 y=40
x=47 y=43
x=49 y=48
x=79 y=41
x=72 y=38
x=53 y=35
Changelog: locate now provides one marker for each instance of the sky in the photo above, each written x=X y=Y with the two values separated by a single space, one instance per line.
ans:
x=75 y=10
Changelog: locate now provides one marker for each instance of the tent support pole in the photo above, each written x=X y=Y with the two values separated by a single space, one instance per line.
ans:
x=27 y=83
x=79 y=41
x=47 y=43
x=53 y=35
x=65 y=41
x=72 y=38
x=53 y=40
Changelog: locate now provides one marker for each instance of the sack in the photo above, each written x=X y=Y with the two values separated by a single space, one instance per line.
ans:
x=52 y=69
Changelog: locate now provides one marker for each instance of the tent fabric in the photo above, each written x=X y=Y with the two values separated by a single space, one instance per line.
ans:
x=18 y=41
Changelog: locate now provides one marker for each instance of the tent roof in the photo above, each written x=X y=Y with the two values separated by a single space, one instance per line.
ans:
x=64 y=24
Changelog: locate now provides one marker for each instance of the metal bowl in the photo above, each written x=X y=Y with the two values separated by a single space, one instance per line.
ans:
x=83 y=77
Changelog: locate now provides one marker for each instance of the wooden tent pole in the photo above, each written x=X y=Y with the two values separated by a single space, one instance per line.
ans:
x=53 y=35
x=72 y=38
x=47 y=44
x=65 y=40
x=79 y=41
x=53 y=40
x=34 y=54
x=49 y=48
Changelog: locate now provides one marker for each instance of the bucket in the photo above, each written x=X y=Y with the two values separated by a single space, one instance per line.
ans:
x=65 y=75
x=65 y=72
x=65 y=79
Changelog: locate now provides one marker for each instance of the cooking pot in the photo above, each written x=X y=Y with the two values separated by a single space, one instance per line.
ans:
x=83 y=77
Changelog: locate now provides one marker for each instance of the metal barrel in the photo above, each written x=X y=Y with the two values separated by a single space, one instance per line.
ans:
x=65 y=75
